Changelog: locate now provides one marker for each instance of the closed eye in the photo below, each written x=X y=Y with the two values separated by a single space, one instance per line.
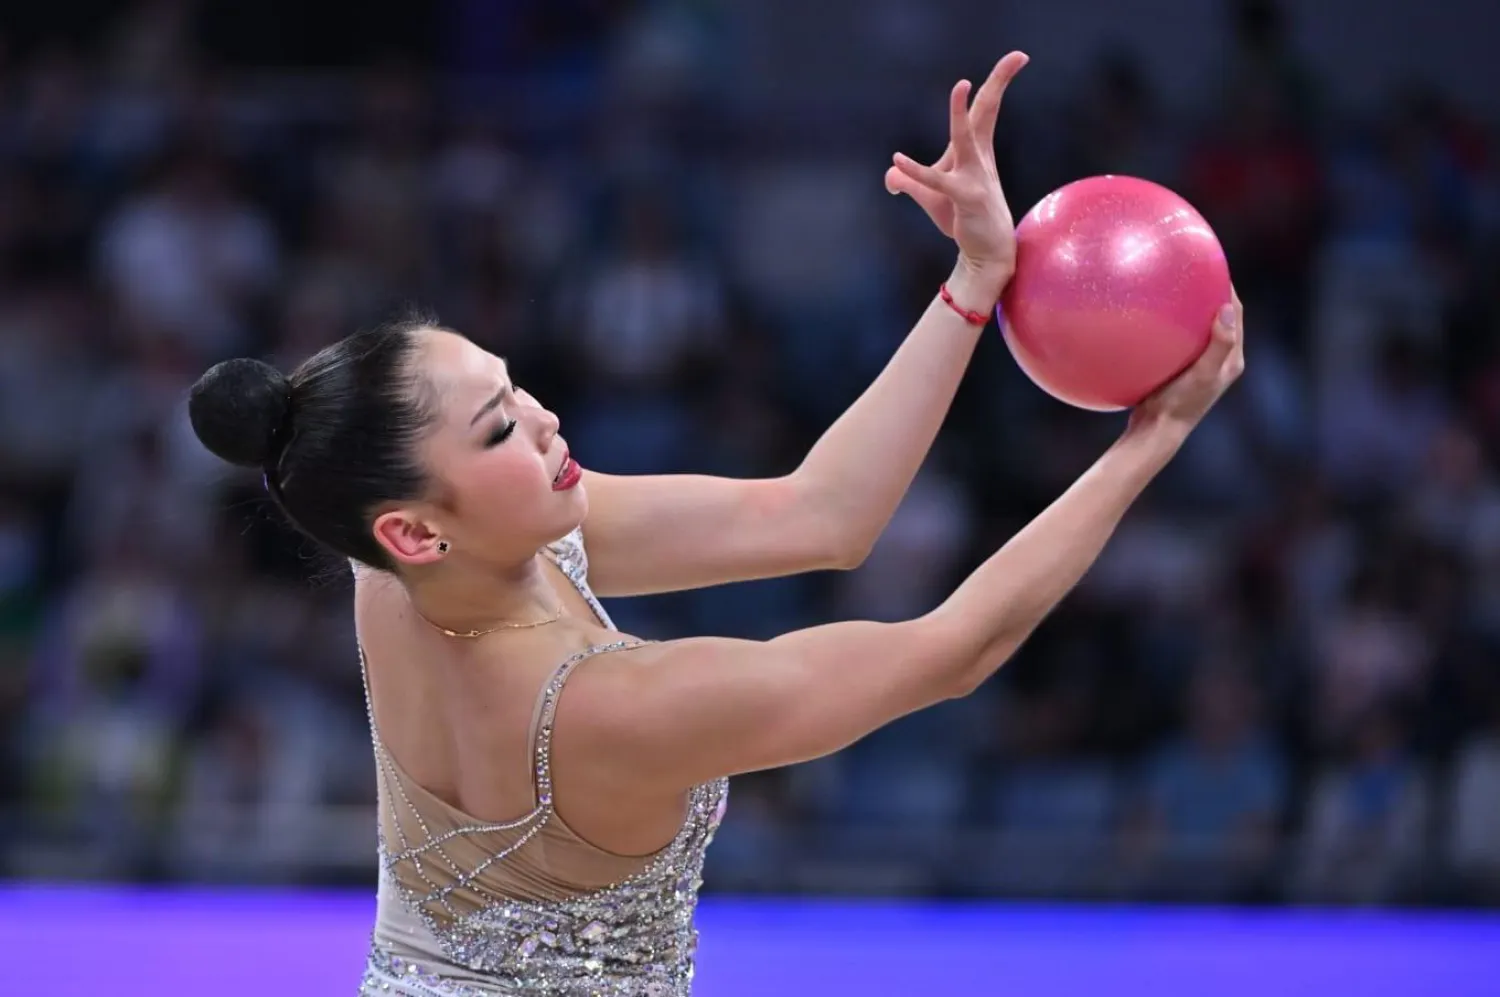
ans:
x=501 y=434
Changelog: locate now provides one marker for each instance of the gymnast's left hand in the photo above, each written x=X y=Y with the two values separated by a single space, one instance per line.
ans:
x=961 y=192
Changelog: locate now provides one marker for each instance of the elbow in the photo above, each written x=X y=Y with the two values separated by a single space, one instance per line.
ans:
x=981 y=666
x=950 y=653
x=850 y=552
x=967 y=681
x=828 y=536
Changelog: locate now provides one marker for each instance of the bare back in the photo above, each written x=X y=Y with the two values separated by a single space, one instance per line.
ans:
x=485 y=885
x=458 y=720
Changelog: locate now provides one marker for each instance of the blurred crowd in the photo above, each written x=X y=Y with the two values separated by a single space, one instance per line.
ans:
x=1279 y=684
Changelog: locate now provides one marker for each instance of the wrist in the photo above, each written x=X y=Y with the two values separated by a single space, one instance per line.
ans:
x=977 y=287
x=1155 y=433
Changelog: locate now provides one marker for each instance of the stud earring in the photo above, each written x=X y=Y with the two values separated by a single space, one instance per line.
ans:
x=442 y=546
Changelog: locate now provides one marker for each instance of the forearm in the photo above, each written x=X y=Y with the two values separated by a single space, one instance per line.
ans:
x=1002 y=602
x=856 y=474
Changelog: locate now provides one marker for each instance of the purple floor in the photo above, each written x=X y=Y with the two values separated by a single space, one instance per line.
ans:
x=114 y=943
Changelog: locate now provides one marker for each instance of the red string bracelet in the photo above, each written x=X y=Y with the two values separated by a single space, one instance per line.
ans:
x=973 y=318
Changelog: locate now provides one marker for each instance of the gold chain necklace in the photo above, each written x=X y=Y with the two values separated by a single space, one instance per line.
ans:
x=466 y=634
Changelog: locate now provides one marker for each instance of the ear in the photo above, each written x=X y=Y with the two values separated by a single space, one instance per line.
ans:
x=407 y=537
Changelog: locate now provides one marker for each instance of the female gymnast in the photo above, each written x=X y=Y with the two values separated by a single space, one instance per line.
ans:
x=539 y=843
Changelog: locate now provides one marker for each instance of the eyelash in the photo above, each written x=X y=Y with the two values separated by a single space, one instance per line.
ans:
x=500 y=435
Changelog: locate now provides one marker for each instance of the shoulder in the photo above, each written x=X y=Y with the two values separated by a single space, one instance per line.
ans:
x=639 y=686
x=620 y=693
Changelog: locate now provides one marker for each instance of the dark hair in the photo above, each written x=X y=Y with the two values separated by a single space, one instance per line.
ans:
x=335 y=440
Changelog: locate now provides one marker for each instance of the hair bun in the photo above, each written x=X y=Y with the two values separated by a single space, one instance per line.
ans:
x=238 y=407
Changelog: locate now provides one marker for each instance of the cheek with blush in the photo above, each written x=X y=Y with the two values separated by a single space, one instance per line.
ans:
x=513 y=481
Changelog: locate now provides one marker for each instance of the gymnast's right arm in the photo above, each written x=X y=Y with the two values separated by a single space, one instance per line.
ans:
x=680 y=713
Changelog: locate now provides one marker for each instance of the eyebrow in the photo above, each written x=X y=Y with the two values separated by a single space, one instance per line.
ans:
x=495 y=399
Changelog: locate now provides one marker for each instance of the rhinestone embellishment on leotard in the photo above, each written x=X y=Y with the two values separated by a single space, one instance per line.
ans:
x=633 y=939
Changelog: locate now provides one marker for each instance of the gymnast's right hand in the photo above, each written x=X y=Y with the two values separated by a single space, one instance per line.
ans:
x=1182 y=403
x=961 y=192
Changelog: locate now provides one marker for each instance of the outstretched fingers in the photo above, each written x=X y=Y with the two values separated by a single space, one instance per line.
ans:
x=939 y=206
x=960 y=130
x=987 y=101
x=930 y=177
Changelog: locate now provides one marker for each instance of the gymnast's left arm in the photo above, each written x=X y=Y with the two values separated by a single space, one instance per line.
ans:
x=659 y=533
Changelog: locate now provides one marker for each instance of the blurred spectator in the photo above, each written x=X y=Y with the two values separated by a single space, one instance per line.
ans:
x=1368 y=652
x=1456 y=502
x=1378 y=426
x=1367 y=816
x=647 y=310
x=48 y=379
x=372 y=186
x=1473 y=839
x=114 y=679
x=1051 y=787
x=910 y=568
x=1264 y=54
x=1117 y=126
x=189 y=258
x=1257 y=180
x=1212 y=801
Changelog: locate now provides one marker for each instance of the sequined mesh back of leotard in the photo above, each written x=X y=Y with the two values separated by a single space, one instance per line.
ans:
x=492 y=895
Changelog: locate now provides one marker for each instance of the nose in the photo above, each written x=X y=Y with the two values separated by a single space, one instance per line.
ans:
x=547 y=426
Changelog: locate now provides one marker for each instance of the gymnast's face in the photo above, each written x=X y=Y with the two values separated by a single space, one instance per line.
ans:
x=494 y=455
